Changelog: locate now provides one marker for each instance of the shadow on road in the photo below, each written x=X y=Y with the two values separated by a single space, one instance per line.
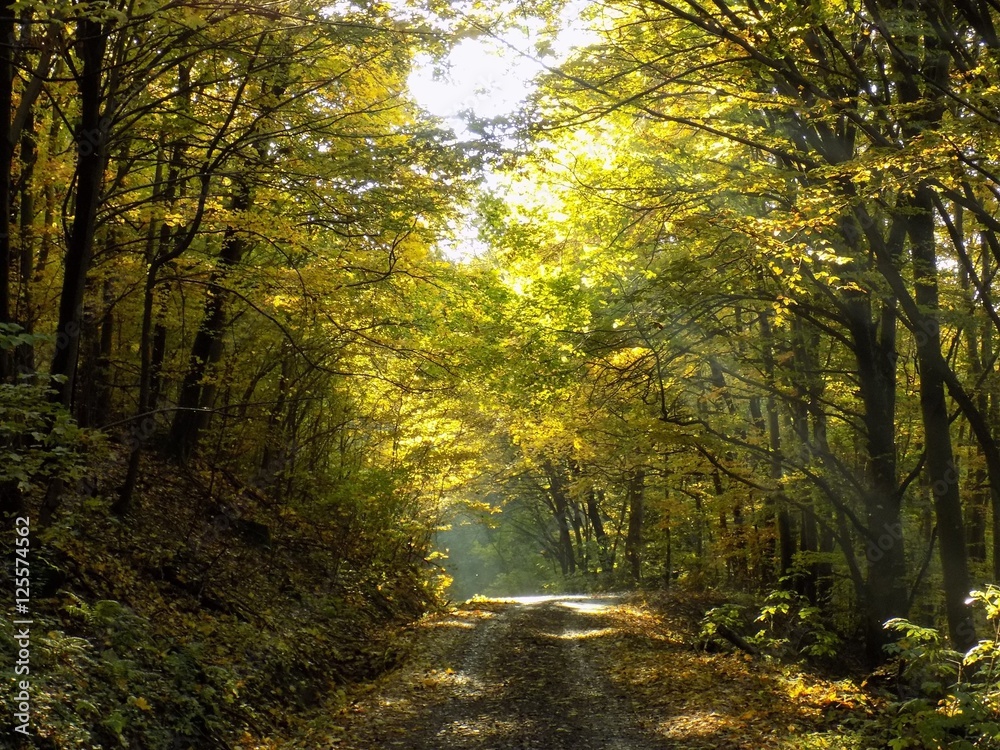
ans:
x=523 y=677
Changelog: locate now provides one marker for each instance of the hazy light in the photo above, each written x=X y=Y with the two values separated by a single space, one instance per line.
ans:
x=481 y=77
x=529 y=600
x=587 y=605
x=451 y=624
x=579 y=602
x=580 y=635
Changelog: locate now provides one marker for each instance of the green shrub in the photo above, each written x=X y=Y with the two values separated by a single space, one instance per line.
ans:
x=787 y=626
x=39 y=439
x=788 y=621
x=958 y=701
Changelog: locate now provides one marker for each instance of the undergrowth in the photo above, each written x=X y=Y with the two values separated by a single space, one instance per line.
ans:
x=205 y=617
x=934 y=698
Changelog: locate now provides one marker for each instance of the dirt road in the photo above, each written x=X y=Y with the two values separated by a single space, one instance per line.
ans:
x=523 y=676
x=588 y=673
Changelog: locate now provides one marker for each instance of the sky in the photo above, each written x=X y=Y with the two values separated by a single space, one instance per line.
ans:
x=484 y=75
x=490 y=77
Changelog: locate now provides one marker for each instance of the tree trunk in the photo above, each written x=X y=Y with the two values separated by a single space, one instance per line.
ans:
x=11 y=500
x=635 y=489
x=206 y=351
x=560 y=509
x=91 y=141
x=874 y=343
x=7 y=19
x=978 y=355
x=581 y=549
x=668 y=557
x=941 y=469
x=777 y=501
x=991 y=416
x=159 y=250
x=600 y=534
x=809 y=543
x=94 y=392
x=25 y=357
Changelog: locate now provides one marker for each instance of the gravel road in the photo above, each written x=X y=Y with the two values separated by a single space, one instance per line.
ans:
x=523 y=675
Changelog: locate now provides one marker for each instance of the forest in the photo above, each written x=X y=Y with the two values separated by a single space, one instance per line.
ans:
x=290 y=364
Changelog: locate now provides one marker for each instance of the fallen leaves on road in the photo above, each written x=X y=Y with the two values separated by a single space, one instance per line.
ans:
x=478 y=676
x=721 y=701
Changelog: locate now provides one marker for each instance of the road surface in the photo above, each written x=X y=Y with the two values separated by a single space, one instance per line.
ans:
x=525 y=676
